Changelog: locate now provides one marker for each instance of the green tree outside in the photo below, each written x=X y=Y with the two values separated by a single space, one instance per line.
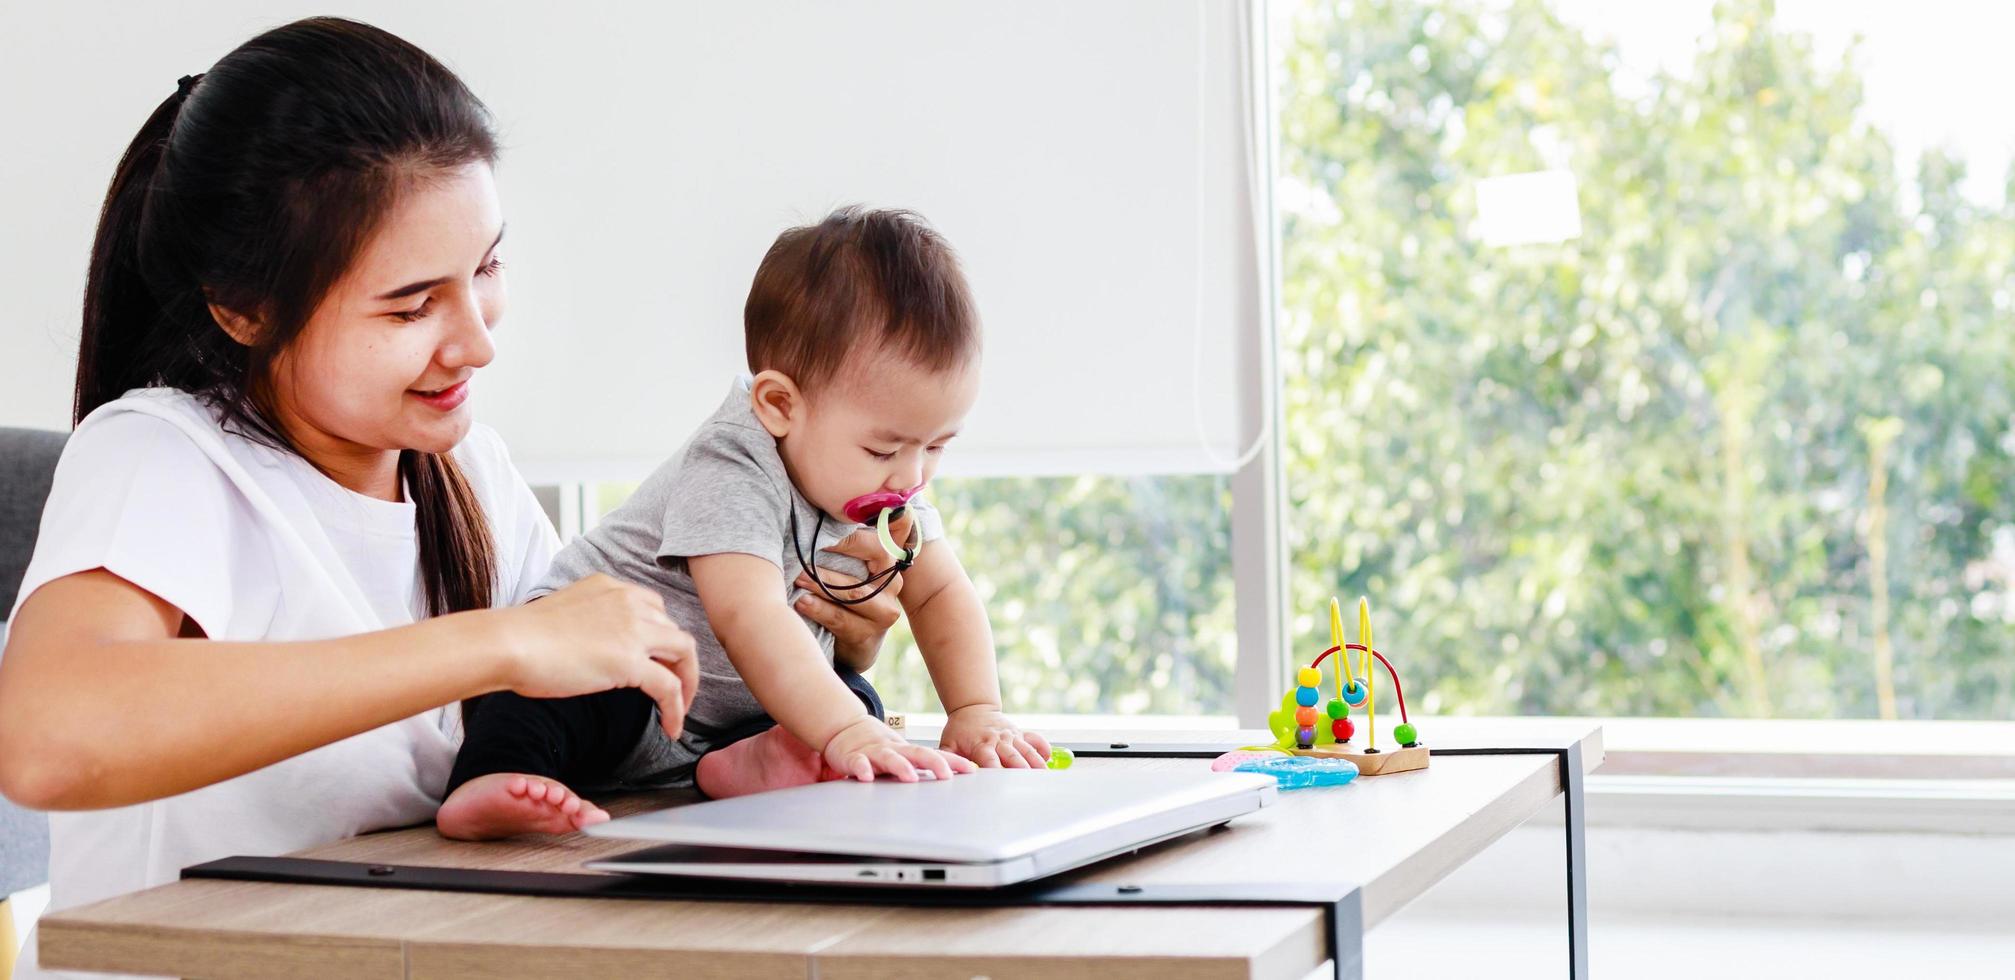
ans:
x=1743 y=448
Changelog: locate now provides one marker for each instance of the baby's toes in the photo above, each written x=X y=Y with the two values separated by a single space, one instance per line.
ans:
x=558 y=795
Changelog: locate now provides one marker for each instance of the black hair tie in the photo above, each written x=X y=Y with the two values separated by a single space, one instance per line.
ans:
x=187 y=82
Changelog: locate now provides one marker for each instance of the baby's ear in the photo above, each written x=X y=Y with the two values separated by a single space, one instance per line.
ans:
x=777 y=402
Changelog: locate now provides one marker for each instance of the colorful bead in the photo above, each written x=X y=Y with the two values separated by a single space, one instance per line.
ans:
x=1307 y=696
x=1405 y=734
x=1305 y=717
x=1060 y=757
x=1308 y=677
x=1342 y=729
x=1304 y=737
x=1337 y=709
x=1355 y=692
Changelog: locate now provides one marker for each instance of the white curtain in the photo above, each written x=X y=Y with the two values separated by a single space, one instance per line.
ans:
x=1092 y=162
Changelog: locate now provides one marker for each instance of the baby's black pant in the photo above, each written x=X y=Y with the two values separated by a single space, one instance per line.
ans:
x=581 y=740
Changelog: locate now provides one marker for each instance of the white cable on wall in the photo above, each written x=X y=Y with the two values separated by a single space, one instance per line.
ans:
x=1259 y=202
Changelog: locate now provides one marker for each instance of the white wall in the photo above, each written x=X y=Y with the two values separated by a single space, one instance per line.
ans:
x=1087 y=159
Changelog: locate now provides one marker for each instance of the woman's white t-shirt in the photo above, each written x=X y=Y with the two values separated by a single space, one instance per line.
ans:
x=253 y=543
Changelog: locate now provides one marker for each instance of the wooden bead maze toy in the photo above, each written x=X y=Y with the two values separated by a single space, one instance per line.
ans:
x=1303 y=730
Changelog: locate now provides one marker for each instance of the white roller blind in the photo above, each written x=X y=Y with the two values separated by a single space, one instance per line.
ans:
x=1088 y=160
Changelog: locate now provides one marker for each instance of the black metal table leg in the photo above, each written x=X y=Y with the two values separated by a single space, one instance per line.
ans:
x=1571 y=781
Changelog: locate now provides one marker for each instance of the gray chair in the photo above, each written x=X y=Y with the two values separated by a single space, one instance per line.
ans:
x=27 y=464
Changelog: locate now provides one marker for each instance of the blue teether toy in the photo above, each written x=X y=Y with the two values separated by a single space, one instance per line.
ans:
x=1301 y=772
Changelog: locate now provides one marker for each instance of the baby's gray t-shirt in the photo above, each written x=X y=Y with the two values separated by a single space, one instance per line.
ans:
x=725 y=492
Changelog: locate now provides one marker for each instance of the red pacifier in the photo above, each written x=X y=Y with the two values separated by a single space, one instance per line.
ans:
x=881 y=507
x=878 y=508
x=864 y=508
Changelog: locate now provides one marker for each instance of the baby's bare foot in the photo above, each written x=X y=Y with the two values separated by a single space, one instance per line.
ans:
x=504 y=804
x=776 y=759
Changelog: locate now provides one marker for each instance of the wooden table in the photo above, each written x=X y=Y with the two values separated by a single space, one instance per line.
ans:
x=1393 y=835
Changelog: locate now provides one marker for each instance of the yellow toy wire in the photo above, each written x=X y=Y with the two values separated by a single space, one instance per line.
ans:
x=1336 y=640
x=1370 y=675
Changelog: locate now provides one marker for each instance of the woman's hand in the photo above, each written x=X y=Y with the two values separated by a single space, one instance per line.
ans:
x=981 y=733
x=598 y=634
x=858 y=630
x=867 y=747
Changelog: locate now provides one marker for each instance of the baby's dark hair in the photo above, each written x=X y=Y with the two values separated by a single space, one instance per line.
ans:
x=862 y=280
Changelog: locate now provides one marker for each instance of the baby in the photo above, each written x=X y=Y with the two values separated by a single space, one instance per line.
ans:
x=865 y=347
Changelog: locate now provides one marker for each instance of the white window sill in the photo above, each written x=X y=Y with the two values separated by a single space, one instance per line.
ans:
x=1933 y=777
x=1688 y=746
x=1927 y=806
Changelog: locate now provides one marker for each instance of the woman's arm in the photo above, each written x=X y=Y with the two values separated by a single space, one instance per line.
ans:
x=103 y=703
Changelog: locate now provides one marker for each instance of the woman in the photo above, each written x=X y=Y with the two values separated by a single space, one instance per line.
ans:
x=278 y=552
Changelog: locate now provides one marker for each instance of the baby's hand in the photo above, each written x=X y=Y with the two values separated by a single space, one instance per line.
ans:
x=981 y=733
x=867 y=747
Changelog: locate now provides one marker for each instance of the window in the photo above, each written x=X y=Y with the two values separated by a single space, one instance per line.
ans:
x=1740 y=447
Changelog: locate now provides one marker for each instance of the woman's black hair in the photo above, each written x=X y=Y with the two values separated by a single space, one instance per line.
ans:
x=252 y=188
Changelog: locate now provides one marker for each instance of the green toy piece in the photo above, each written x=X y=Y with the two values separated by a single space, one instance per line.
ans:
x=1282 y=724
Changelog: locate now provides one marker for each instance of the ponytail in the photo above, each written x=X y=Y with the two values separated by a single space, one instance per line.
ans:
x=120 y=311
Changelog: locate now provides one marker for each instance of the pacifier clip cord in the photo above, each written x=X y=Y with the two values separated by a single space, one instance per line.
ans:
x=904 y=556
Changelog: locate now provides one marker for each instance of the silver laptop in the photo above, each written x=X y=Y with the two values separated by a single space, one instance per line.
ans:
x=990 y=828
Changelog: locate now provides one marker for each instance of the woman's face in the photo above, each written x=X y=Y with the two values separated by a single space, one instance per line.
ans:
x=385 y=362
